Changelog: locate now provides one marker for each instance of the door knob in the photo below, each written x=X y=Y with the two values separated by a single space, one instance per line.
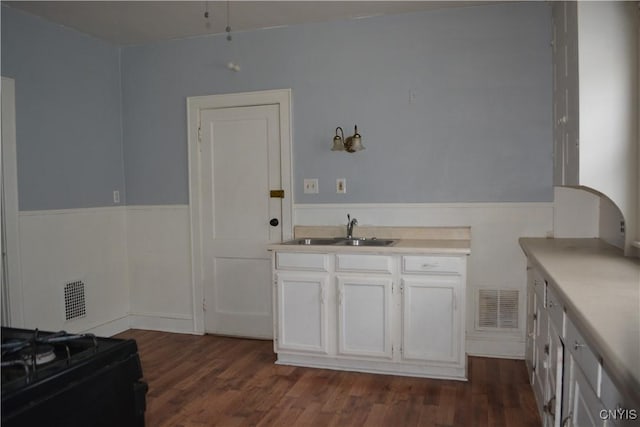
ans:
x=274 y=222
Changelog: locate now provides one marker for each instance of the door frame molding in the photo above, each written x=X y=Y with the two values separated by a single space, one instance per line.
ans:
x=280 y=97
x=9 y=172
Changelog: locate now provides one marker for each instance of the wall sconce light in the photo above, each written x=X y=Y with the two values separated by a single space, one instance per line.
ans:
x=350 y=144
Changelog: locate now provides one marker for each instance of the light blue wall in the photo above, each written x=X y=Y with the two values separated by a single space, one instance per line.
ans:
x=479 y=129
x=68 y=115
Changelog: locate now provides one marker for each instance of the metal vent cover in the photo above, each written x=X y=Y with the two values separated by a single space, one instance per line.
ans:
x=74 y=300
x=497 y=309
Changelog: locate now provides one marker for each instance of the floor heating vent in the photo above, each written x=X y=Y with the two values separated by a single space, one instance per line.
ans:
x=74 y=301
x=497 y=309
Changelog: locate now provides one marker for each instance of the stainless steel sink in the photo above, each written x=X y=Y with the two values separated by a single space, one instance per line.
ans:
x=340 y=241
x=311 y=241
x=366 y=242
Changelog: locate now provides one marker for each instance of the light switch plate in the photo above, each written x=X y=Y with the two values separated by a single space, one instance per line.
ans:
x=311 y=186
x=341 y=185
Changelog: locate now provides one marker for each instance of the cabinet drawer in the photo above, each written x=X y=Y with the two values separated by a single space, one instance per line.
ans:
x=555 y=310
x=431 y=264
x=301 y=261
x=582 y=354
x=359 y=262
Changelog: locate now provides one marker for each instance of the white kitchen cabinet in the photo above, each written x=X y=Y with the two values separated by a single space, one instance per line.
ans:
x=301 y=312
x=431 y=321
x=547 y=349
x=433 y=309
x=394 y=314
x=364 y=316
x=595 y=98
x=569 y=384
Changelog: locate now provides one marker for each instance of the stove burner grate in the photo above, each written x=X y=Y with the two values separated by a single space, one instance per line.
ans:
x=38 y=354
x=29 y=352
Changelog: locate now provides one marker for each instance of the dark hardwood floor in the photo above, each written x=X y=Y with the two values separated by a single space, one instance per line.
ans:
x=210 y=380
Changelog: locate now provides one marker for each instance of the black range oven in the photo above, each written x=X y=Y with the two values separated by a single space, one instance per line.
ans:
x=61 y=379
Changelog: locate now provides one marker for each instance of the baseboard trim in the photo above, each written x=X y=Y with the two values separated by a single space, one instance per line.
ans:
x=496 y=348
x=164 y=323
x=458 y=373
x=110 y=328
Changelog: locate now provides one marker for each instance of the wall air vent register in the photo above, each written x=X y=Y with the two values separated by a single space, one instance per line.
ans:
x=497 y=309
x=74 y=300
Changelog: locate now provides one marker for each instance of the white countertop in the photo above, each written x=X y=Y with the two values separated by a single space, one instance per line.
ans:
x=600 y=289
x=409 y=240
x=402 y=246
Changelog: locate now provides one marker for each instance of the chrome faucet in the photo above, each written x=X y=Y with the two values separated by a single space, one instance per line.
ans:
x=350 y=224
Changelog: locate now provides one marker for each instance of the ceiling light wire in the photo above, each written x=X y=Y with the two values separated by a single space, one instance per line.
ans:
x=231 y=65
x=206 y=15
x=228 y=29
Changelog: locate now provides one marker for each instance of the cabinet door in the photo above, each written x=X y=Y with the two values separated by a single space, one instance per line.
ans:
x=432 y=311
x=302 y=313
x=531 y=326
x=364 y=319
x=581 y=408
x=540 y=352
x=553 y=383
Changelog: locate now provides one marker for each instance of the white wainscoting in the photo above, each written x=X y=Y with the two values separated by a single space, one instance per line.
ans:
x=62 y=246
x=134 y=261
x=136 y=265
x=158 y=246
x=496 y=260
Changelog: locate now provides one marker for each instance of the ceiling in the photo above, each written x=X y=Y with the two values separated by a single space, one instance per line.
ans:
x=139 y=22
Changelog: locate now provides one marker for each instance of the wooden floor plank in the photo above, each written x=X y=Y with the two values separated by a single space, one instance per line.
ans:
x=198 y=381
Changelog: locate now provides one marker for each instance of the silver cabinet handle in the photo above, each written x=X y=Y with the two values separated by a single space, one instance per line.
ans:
x=578 y=345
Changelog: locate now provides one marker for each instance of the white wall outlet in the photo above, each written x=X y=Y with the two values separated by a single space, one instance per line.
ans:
x=116 y=196
x=341 y=185
x=311 y=186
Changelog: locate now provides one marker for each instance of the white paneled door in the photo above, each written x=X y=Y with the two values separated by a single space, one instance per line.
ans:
x=240 y=164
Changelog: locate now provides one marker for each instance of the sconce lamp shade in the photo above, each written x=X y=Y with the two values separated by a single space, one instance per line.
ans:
x=356 y=142
x=350 y=144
